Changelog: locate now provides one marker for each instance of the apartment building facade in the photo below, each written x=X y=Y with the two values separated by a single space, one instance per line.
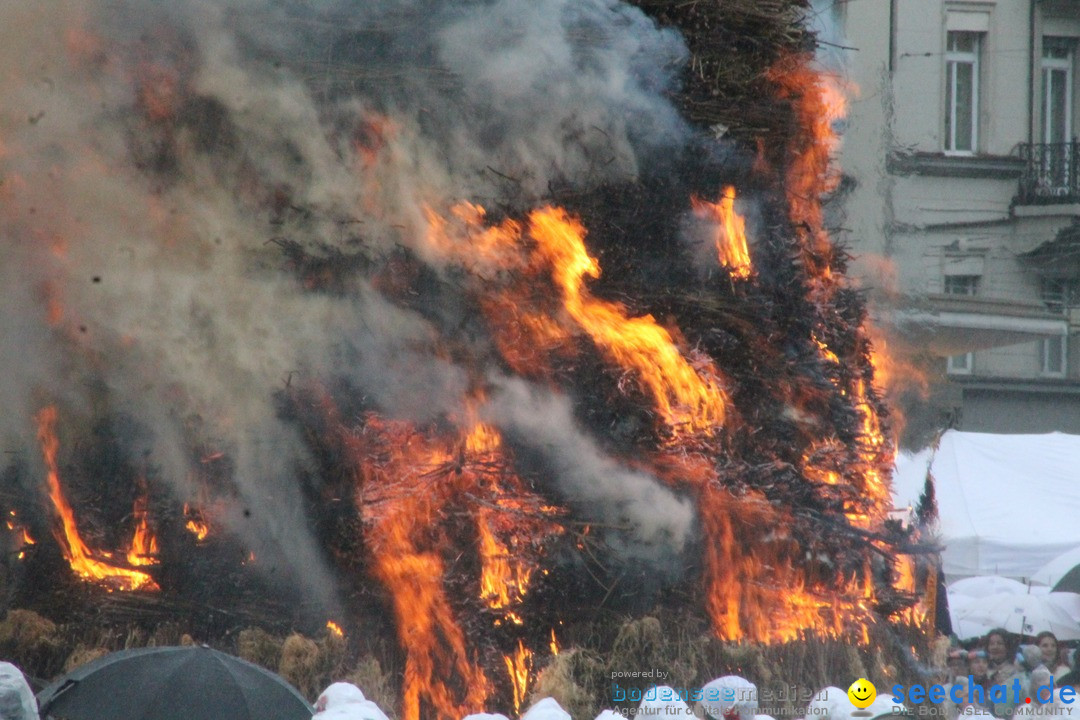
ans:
x=963 y=212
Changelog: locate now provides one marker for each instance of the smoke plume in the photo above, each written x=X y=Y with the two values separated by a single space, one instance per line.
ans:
x=154 y=161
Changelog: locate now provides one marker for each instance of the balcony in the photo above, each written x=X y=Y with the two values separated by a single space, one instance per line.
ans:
x=1051 y=174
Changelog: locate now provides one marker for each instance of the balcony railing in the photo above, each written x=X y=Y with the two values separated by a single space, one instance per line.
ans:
x=1051 y=173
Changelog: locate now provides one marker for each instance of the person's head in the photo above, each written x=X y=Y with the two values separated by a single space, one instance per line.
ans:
x=997 y=646
x=957 y=662
x=1048 y=644
x=1042 y=685
x=978 y=663
x=1030 y=657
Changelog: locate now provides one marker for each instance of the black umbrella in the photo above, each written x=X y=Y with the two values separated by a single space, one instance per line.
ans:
x=167 y=683
x=1069 y=582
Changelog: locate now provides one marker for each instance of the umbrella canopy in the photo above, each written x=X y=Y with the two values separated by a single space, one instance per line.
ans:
x=663 y=700
x=167 y=683
x=1070 y=582
x=958 y=606
x=1020 y=614
x=984 y=585
x=1067 y=601
x=546 y=709
x=1055 y=571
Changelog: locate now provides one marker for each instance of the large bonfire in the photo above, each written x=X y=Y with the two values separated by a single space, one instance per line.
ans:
x=440 y=312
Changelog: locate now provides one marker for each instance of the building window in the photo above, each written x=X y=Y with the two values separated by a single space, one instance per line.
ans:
x=960 y=364
x=1057 y=85
x=962 y=284
x=1059 y=293
x=962 y=91
x=1053 y=356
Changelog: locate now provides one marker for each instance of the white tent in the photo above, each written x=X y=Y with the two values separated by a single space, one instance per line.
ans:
x=1007 y=504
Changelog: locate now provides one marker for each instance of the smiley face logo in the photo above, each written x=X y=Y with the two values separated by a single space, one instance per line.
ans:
x=861 y=693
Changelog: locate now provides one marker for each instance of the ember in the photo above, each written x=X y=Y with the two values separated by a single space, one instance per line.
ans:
x=21 y=533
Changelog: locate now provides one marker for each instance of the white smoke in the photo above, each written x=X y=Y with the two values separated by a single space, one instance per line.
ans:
x=654 y=518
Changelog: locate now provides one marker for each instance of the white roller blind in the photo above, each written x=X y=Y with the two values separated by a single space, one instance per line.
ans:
x=967 y=21
x=964 y=265
x=1060 y=27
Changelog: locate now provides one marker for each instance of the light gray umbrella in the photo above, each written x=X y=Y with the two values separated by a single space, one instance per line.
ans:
x=1020 y=614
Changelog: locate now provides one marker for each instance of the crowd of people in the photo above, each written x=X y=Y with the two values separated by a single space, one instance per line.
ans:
x=1030 y=674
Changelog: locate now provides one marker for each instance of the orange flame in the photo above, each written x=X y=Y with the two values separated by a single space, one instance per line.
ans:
x=687 y=389
x=79 y=556
x=405 y=479
x=819 y=102
x=518 y=666
x=334 y=628
x=768 y=594
x=741 y=587
x=554 y=643
x=730 y=236
x=687 y=397
x=402 y=467
x=195 y=524
x=144 y=548
x=893 y=376
x=502 y=582
x=872 y=449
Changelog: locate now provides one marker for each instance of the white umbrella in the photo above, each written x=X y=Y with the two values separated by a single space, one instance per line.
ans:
x=1067 y=601
x=984 y=585
x=958 y=602
x=968 y=630
x=546 y=709
x=1053 y=571
x=1020 y=614
x=958 y=605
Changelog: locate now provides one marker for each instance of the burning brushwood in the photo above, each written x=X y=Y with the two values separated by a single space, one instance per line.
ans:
x=455 y=358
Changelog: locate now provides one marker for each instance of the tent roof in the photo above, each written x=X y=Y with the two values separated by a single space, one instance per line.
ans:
x=1007 y=504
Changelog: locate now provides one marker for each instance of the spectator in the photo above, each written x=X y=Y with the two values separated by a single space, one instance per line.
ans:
x=1072 y=678
x=1051 y=654
x=957 y=663
x=345 y=701
x=979 y=670
x=16 y=699
x=1000 y=651
x=731 y=698
x=1041 y=693
x=1028 y=660
x=956 y=673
